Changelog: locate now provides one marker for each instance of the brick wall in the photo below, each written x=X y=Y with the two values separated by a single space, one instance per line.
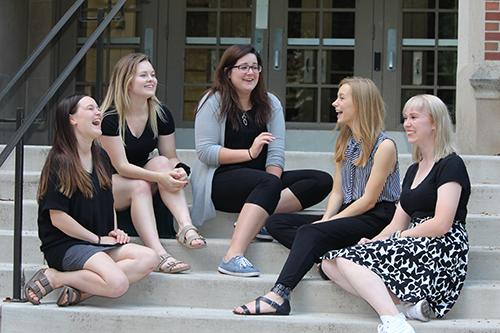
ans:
x=492 y=30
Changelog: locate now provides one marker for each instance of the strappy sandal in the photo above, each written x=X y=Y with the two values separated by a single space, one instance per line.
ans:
x=188 y=241
x=281 y=309
x=69 y=296
x=39 y=285
x=175 y=266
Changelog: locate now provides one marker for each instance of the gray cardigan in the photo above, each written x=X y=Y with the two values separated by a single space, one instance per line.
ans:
x=209 y=129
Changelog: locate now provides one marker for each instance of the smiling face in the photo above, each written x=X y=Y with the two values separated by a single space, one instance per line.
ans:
x=144 y=82
x=418 y=126
x=86 y=120
x=344 y=105
x=244 y=81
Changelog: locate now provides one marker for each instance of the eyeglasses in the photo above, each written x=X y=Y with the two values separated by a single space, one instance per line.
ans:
x=245 y=68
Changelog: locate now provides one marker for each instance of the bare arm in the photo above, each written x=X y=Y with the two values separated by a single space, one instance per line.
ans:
x=384 y=162
x=166 y=147
x=446 y=208
x=336 y=197
x=72 y=228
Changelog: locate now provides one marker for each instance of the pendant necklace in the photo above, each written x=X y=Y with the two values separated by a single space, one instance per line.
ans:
x=244 y=118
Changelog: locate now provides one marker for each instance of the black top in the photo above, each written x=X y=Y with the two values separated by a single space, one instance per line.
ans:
x=95 y=214
x=243 y=139
x=421 y=201
x=138 y=149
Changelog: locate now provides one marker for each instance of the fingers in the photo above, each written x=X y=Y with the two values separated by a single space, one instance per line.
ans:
x=364 y=240
x=120 y=236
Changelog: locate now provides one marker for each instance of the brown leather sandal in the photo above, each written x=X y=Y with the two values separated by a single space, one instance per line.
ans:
x=69 y=296
x=188 y=241
x=39 y=285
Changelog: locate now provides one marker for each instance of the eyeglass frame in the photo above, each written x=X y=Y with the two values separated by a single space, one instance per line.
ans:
x=254 y=68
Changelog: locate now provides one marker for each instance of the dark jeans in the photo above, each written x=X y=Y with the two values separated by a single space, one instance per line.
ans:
x=308 y=242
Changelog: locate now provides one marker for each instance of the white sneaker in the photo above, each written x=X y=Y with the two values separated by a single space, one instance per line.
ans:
x=418 y=311
x=398 y=324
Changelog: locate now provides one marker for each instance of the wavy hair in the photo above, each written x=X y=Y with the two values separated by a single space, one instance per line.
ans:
x=440 y=117
x=369 y=118
x=63 y=157
x=117 y=99
x=229 y=97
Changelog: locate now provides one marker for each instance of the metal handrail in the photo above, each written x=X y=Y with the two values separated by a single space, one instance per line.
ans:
x=40 y=48
x=23 y=128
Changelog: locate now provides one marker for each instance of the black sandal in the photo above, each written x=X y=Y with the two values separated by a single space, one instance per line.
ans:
x=281 y=309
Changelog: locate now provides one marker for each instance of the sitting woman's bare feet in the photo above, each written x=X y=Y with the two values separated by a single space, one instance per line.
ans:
x=270 y=304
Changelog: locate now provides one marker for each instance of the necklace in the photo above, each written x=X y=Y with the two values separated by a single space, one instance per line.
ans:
x=244 y=118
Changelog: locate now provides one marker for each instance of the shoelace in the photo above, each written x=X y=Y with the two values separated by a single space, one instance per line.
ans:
x=243 y=262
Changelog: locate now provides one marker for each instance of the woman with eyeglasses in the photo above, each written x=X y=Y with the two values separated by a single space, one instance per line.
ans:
x=239 y=135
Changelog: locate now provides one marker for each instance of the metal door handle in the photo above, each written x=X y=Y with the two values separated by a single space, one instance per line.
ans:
x=277 y=46
x=391 y=49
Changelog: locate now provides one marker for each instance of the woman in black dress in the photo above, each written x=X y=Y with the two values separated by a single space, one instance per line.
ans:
x=86 y=252
x=421 y=256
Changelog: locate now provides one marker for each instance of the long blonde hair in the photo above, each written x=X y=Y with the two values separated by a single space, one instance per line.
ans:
x=370 y=112
x=117 y=100
x=437 y=110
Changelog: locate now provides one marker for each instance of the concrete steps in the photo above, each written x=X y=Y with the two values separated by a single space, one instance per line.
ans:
x=130 y=318
x=201 y=300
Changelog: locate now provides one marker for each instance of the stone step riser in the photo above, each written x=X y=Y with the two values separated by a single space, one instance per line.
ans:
x=482 y=229
x=215 y=291
x=484 y=263
x=22 y=318
x=481 y=200
x=482 y=169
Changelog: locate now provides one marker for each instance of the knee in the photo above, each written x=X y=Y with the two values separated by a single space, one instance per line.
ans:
x=330 y=268
x=160 y=163
x=325 y=181
x=118 y=284
x=140 y=187
x=272 y=184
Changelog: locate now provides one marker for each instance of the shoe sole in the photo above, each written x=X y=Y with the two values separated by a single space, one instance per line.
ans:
x=425 y=311
x=249 y=274
x=264 y=238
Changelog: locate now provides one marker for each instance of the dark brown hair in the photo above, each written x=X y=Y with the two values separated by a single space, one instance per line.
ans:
x=63 y=157
x=229 y=97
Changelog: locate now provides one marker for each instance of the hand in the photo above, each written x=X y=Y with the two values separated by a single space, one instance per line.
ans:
x=120 y=236
x=108 y=240
x=365 y=240
x=262 y=139
x=169 y=180
x=180 y=174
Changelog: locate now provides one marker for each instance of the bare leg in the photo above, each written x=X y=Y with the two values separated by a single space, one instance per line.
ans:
x=288 y=203
x=369 y=286
x=331 y=270
x=251 y=219
x=175 y=201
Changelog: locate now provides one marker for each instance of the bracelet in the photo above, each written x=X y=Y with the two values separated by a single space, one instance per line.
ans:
x=98 y=240
x=186 y=168
x=250 y=154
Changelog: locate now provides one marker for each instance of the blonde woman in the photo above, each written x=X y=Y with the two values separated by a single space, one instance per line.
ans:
x=134 y=124
x=420 y=258
x=361 y=203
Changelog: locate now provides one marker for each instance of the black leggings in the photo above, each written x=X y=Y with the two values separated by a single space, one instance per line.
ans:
x=231 y=189
x=308 y=242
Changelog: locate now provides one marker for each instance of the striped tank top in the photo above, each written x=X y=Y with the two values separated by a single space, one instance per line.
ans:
x=354 y=178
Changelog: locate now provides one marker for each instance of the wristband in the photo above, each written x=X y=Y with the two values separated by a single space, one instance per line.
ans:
x=186 y=168
x=250 y=154
x=98 y=240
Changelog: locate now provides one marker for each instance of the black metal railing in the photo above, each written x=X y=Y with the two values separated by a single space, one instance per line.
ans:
x=24 y=124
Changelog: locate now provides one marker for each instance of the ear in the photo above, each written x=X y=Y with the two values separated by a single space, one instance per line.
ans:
x=72 y=120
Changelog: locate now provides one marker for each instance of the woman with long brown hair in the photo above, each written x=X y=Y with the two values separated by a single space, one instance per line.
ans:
x=87 y=254
x=239 y=135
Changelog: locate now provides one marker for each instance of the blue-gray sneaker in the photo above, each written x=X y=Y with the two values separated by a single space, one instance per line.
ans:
x=264 y=235
x=238 y=266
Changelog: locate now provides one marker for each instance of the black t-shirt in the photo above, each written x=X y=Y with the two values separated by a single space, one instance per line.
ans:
x=421 y=201
x=243 y=139
x=95 y=214
x=138 y=149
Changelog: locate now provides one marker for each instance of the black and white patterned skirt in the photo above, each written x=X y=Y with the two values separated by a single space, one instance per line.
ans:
x=431 y=268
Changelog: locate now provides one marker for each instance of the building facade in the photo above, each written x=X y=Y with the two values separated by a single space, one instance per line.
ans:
x=445 y=47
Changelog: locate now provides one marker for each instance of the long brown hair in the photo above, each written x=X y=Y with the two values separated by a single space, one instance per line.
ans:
x=229 y=97
x=370 y=111
x=117 y=99
x=63 y=157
